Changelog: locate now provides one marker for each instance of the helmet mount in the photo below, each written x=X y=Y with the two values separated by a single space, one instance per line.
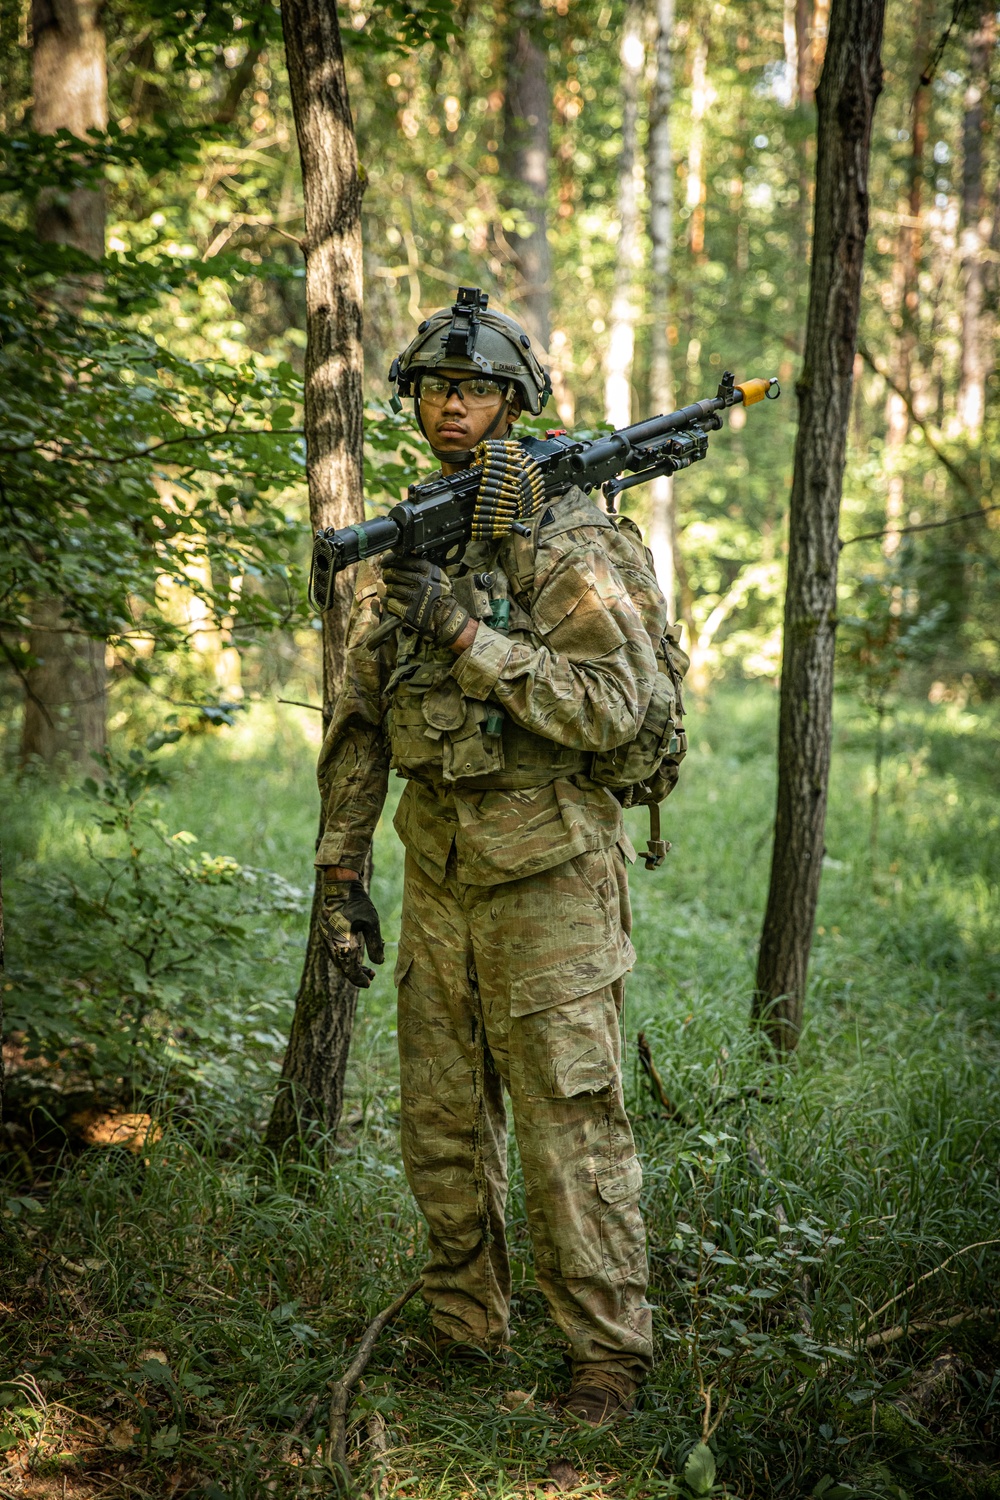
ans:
x=471 y=338
x=459 y=339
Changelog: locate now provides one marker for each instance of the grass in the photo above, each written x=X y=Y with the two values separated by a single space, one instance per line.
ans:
x=186 y=1308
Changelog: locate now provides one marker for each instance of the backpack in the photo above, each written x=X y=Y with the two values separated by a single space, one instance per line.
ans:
x=644 y=770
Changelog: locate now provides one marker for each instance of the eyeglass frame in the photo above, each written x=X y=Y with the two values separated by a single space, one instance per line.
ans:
x=502 y=387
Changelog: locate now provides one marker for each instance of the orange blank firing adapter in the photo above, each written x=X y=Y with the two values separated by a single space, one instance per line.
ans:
x=756 y=390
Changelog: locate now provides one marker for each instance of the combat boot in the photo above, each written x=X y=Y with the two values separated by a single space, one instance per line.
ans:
x=440 y=1349
x=598 y=1396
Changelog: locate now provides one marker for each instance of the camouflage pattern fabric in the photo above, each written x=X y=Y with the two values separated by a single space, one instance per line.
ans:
x=514 y=941
x=518 y=987
x=570 y=675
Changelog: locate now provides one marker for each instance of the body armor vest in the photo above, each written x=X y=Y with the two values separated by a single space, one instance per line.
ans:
x=439 y=736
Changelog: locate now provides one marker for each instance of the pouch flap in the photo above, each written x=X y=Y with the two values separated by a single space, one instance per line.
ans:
x=443 y=706
x=620 y=1180
x=571 y=978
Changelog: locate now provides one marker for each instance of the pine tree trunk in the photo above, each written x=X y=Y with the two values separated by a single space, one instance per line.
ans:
x=65 y=702
x=846 y=97
x=525 y=165
x=661 y=214
x=625 y=295
x=310 y=1095
x=975 y=232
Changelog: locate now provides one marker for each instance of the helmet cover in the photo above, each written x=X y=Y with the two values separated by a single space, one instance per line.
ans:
x=469 y=337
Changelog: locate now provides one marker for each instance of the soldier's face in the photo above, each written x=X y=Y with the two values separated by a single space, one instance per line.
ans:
x=458 y=422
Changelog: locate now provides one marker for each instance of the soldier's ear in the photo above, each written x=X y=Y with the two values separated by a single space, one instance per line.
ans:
x=515 y=405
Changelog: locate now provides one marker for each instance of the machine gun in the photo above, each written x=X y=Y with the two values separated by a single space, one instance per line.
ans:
x=435 y=519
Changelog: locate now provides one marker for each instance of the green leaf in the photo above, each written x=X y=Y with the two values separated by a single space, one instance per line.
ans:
x=699 y=1470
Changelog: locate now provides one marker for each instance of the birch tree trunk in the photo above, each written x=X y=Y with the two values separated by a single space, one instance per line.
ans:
x=624 y=299
x=310 y=1094
x=661 y=214
x=66 y=692
x=525 y=164
x=975 y=235
x=846 y=97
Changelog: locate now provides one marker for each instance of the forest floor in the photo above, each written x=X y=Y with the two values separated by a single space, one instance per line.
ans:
x=824 y=1237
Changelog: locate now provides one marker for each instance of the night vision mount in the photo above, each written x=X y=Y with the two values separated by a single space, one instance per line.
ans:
x=459 y=338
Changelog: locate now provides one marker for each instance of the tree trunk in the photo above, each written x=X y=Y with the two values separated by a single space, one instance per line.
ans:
x=65 y=702
x=702 y=96
x=975 y=234
x=310 y=1095
x=804 y=82
x=661 y=213
x=624 y=299
x=525 y=165
x=907 y=277
x=849 y=87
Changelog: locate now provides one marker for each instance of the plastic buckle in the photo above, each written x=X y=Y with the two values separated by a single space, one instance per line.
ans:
x=656 y=852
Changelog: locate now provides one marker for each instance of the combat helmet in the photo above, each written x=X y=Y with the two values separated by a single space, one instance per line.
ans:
x=470 y=336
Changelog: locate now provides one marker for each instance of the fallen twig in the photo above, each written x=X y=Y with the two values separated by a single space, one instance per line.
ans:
x=651 y=1071
x=341 y=1389
x=979 y=1245
x=890 y=1336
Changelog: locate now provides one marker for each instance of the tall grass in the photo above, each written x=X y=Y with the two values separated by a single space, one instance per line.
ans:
x=794 y=1213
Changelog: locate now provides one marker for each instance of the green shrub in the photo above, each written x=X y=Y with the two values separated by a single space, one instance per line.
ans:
x=148 y=960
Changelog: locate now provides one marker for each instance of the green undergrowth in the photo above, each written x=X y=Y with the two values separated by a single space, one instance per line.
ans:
x=822 y=1236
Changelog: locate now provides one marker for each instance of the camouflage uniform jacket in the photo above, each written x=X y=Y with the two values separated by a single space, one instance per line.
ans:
x=495 y=743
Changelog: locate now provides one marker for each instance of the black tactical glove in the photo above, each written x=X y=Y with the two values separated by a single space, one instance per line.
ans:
x=419 y=594
x=349 y=923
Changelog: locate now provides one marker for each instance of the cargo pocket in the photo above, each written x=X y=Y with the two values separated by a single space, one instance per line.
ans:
x=623 y=1239
x=568 y=1050
x=554 y=937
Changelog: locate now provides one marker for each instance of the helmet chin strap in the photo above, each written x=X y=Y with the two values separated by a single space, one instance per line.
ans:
x=460 y=456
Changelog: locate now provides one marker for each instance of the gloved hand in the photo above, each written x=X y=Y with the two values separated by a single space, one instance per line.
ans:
x=349 y=923
x=419 y=593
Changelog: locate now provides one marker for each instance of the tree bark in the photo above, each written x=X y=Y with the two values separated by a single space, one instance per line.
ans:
x=65 y=706
x=975 y=235
x=625 y=295
x=661 y=215
x=846 y=97
x=310 y=1094
x=906 y=274
x=702 y=97
x=525 y=165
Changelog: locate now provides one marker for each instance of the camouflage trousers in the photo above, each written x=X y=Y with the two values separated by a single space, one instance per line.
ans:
x=490 y=982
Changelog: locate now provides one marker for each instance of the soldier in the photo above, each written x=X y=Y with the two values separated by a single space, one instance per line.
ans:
x=509 y=670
